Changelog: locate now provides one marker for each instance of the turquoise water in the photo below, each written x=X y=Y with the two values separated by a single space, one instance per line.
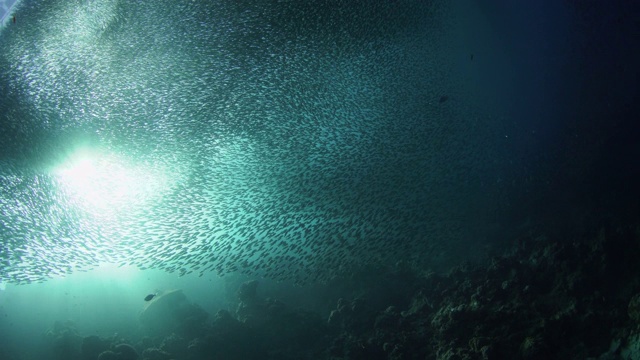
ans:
x=150 y=146
x=228 y=136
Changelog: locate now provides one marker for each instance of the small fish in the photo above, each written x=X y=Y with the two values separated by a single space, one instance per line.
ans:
x=149 y=297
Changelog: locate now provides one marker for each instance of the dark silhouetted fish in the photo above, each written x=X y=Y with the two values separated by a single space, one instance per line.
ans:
x=149 y=297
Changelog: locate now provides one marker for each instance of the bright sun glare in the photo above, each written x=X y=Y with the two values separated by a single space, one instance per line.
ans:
x=106 y=183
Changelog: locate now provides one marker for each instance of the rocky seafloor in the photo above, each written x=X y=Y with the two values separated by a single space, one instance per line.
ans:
x=546 y=298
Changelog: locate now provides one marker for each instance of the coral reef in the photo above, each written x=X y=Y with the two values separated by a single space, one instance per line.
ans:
x=543 y=299
x=546 y=299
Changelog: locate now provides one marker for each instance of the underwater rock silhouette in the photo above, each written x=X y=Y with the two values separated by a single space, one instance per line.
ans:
x=155 y=354
x=171 y=312
x=92 y=346
x=64 y=340
x=108 y=355
x=125 y=352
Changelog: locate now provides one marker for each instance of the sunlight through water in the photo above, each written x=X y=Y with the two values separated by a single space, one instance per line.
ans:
x=108 y=184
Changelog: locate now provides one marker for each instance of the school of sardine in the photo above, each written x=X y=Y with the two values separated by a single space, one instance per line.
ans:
x=297 y=139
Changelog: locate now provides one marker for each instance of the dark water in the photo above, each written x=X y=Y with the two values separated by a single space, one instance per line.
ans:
x=203 y=144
